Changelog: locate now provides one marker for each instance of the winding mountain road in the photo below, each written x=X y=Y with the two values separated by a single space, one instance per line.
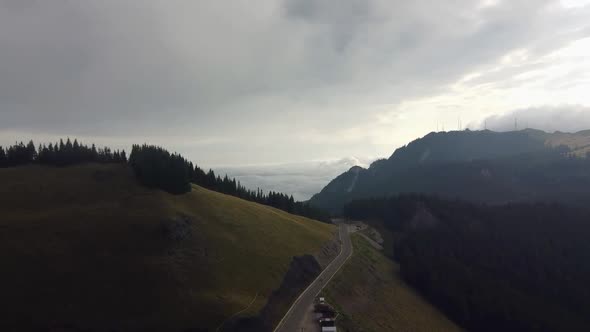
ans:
x=293 y=319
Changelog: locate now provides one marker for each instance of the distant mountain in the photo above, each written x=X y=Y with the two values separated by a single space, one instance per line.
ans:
x=486 y=166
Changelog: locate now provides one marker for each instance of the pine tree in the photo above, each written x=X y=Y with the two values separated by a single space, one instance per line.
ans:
x=291 y=205
x=3 y=161
x=51 y=154
x=157 y=168
x=94 y=153
x=76 y=158
x=31 y=153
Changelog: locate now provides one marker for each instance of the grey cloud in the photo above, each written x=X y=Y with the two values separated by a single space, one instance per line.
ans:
x=567 y=118
x=342 y=20
x=415 y=48
x=208 y=68
x=71 y=63
x=346 y=12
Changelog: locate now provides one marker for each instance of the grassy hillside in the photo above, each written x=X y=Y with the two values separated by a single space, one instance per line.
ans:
x=372 y=296
x=87 y=246
x=579 y=142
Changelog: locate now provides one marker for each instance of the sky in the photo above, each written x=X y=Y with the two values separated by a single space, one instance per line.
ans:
x=303 y=86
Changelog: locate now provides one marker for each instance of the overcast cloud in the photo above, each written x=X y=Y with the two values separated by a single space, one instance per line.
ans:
x=284 y=81
x=559 y=118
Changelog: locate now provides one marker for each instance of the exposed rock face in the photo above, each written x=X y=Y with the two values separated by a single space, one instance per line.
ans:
x=329 y=251
x=302 y=271
x=177 y=228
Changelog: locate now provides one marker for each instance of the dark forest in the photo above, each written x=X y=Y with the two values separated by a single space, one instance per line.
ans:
x=514 y=267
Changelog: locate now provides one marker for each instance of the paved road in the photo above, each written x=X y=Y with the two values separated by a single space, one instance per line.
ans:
x=296 y=314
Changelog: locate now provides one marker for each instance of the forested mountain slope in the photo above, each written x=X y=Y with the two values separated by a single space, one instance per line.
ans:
x=482 y=166
x=516 y=267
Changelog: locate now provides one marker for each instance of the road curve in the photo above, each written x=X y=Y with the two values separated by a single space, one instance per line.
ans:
x=296 y=314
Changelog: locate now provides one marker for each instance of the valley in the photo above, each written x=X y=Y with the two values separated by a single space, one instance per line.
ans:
x=156 y=243
x=294 y=166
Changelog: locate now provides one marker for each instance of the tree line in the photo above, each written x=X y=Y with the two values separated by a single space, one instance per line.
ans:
x=154 y=167
x=278 y=200
x=514 y=267
x=157 y=168
x=59 y=154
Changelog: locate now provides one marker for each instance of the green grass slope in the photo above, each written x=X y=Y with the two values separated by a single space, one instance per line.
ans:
x=85 y=246
x=371 y=296
x=579 y=143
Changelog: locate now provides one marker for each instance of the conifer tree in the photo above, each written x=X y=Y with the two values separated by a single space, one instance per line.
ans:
x=31 y=152
x=2 y=157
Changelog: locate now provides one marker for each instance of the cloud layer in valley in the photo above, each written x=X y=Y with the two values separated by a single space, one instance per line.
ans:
x=302 y=180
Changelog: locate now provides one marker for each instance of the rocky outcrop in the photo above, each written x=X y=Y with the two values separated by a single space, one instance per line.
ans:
x=302 y=271
x=329 y=251
x=177 y=228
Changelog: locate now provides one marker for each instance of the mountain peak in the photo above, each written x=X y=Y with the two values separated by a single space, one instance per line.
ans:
x=356 y=169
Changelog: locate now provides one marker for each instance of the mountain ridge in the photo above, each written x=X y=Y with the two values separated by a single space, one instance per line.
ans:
x=487 y=154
